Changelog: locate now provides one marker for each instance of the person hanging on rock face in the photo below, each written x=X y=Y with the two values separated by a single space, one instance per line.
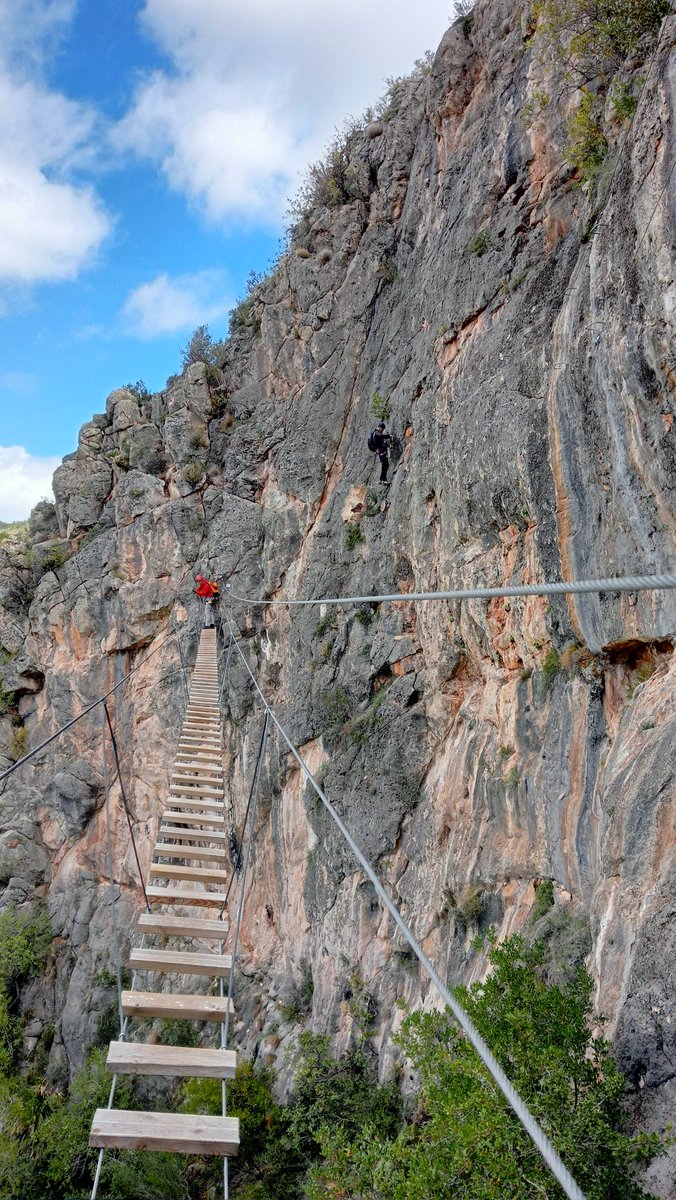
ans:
x=209 y=590
x=380 y=441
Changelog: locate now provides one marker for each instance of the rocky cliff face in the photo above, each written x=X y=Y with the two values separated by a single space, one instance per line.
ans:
x=475 y=749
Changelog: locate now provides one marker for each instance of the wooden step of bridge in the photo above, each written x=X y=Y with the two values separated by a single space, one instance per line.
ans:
x=181 y=962
x=179 y=1133
x=169 y=895
x=187 y=927
x=175 y=1005
x=137 y=1058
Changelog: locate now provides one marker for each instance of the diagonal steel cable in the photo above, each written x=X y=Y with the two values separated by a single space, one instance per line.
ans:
x=531 y=1126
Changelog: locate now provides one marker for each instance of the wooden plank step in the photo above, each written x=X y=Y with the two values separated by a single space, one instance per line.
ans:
x=182 y=962
x=212 y=796
x=181 y=817
x=197 y=927
x=188 y=800
x=204 y=766
x=191 y=835
x=189 y=740
x=165 y=850
x=199 y=773
x=175 y=1004
x=196 y=874
x=181 y=1133
x=137 y=1058
x=169 y=895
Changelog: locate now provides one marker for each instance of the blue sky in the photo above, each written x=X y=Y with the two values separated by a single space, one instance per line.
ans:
x=147 y=151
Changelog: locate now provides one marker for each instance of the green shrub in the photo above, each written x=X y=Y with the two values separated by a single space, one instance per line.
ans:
x=550 y=666
x=587 y=147
x=364 y=615
x=300 y=1001
x=7 y=699
x=201 y=348
x=328 y=621
x=193 y=472
x=53 y=559
x=463 y=1130
x=178 y=1032
x=623 y=100
x=380 y=406
x=25 y=938
x=139 y=391
x=592 y=38
x=471 y=906
x=483 y=241
x=512 y=777
x=353 y=535
x=544 y=899
x=15 y=531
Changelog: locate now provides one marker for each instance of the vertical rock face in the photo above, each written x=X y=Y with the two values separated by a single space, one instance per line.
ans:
x=471 y=749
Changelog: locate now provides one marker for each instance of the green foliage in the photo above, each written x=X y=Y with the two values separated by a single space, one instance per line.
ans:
x=330 y=1093
x=544 y=899
x=587 y=143
x=361 y=1004
x=623 y=100
x=463 y=1129
x=139 y=391
x=339 y=707
x=268 y=1166
x=551 y=665
x=52 y=559
x=13 y=531
x=483 y=241
x=201 y=348
x=245 y=312
x=353 y=535
x=512 y=777
x=299 y=1004
x=380 y=406
x=364 y=615
x=193 y=472
x=324 y=623
x=594 y=37
x=25 y=938
x=471 y=906
x=178 y=1032
x=7 y=699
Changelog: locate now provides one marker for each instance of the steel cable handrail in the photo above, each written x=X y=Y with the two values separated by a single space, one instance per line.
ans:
x=532 y=1127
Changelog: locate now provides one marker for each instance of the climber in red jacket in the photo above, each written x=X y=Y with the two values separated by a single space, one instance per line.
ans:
x=208 y=589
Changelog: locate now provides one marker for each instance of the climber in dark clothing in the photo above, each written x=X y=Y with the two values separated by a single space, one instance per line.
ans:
x=380 y=442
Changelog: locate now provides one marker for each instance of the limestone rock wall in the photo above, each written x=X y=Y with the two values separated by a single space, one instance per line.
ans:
x=531 y=393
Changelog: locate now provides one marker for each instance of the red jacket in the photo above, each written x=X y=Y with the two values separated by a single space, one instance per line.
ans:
x=205 y=588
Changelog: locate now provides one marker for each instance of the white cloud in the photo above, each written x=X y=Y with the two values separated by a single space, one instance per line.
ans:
x=51 y=223
x=24 y=479
x=254 y=91
x=19 y=383
x=164 y=306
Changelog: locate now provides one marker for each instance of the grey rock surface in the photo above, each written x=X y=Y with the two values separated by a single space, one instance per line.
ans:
x=472 y=749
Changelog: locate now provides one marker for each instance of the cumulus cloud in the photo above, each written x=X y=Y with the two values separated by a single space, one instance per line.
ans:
x=24 y=479
x=51 y=222
x=165 y=306
x=253 y=92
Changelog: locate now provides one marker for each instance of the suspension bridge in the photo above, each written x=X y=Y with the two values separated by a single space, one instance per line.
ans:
x=188 y=889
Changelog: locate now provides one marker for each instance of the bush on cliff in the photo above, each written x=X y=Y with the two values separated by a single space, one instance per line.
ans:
x=463 y=1139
